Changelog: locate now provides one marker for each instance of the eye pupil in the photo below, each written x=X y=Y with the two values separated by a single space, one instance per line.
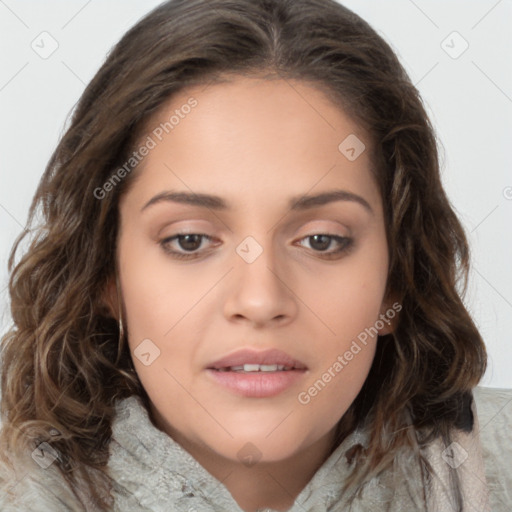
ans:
x=190 y=242
x=322 y=245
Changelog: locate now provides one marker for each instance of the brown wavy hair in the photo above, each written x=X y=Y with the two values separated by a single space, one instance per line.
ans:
x=64 y=362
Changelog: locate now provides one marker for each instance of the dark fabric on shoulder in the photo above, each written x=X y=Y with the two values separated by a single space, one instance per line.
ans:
x=465 y=420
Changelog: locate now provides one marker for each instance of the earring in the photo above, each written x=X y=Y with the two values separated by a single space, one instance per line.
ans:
x=121 y=328
x=120 y=343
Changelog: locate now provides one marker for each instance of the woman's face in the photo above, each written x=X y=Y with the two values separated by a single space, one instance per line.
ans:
x=259 y=279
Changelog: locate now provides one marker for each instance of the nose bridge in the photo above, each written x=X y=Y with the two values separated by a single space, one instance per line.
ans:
x=258 y=262
x=259 y=292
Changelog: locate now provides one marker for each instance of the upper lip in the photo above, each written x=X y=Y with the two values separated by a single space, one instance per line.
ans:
x=251 y=356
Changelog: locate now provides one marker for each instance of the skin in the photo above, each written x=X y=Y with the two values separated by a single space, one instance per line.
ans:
x=256 y=143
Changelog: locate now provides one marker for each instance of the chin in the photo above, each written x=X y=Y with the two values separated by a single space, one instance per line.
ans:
x=268 y=444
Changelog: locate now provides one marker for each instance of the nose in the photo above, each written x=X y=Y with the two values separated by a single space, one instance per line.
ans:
x=261 y=291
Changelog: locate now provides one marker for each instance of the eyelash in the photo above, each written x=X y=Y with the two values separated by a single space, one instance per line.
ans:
x=345 y=243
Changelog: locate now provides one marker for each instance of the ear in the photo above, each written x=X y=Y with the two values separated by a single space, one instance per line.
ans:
x=109 y=299
x=388 y=315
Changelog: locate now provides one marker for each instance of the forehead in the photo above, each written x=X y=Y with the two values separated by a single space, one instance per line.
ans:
x=253 y=135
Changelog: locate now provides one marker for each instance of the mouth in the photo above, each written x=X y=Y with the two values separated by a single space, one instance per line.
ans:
x=250 y=360
x=257 y=374
x=256 y=368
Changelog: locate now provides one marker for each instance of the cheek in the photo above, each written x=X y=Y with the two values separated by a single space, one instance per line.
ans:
x=349 y=299
x=348 y=304
x=330 y=392
x=339 y=375
x=156 y=295
x=162 y=312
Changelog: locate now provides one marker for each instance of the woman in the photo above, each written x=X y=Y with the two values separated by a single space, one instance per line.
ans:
x=243 y=294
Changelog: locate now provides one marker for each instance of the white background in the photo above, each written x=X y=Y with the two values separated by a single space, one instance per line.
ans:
x=469 y=99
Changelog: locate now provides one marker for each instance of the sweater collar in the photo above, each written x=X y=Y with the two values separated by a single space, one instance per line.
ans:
x=152 y=468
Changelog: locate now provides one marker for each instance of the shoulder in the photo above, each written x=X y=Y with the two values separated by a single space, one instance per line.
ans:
x=36 y=484
x=31 y=487
x=494 y=410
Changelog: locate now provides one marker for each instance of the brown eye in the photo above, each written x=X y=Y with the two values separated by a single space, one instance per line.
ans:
x=186 y=246
x=189 y=242
x=321 y=242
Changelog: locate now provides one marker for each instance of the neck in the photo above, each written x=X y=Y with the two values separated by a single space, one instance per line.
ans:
x=273 y=485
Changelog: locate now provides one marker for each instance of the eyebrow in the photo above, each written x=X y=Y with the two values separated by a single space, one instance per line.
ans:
x=298 y=203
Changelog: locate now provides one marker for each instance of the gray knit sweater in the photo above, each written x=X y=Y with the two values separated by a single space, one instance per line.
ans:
x=152 y=473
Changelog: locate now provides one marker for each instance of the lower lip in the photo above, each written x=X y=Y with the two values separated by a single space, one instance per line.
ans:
x=257 y=384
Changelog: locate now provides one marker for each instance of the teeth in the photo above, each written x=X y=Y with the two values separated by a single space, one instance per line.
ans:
x=251 y=367
x=257 y=368
x=268 y=367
